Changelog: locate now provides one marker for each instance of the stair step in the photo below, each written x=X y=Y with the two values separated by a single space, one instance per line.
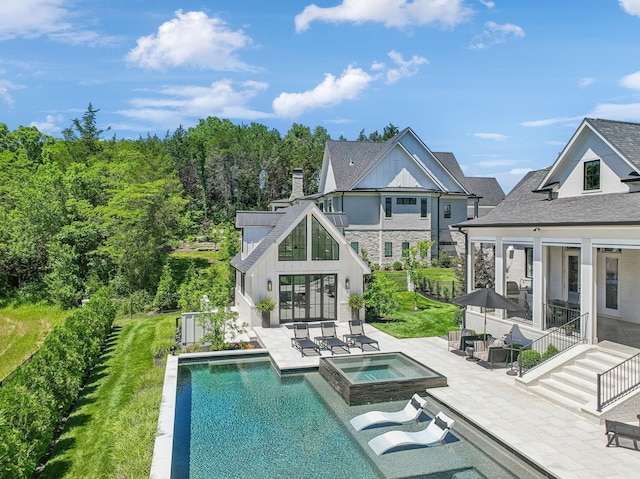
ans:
x=572 y=393
x=607 y=359
x=556 y=398
x=586 y=384
x=593 y=365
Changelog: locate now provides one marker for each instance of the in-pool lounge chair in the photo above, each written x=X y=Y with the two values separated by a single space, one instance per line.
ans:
x=358 y=338
x=411 y=412
x=433 y=434
x=301 y=340
x=329 y=340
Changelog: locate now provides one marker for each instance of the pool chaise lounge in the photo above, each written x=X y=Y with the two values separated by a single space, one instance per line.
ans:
x=411 y=412
x=329 y=339
x=434 y=433
x=301 y=340
x=358 y=338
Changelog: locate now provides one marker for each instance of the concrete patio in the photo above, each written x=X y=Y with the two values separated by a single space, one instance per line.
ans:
x=565 y=444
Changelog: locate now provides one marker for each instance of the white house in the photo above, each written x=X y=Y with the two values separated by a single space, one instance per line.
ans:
x=298 y=257
x=396 y=193
x=566 y=240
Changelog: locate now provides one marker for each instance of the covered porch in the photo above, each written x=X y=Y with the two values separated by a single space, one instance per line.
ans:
x=557 y=281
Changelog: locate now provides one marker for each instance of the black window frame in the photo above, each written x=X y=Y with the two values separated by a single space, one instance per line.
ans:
x=294 y=246
x=388 y=208
x=405 y=201
x=324 y=247
x=388 y=249
x=446 y=210
x=591 y=175
x=423 y=208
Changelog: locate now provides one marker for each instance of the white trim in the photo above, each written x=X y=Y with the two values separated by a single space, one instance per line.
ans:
x=482 y=239
x=616 y=243
x=520 y=241
x=562 y=242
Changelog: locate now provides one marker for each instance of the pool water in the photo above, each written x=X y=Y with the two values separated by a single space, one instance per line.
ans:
x=378 y=367
x=244 y=420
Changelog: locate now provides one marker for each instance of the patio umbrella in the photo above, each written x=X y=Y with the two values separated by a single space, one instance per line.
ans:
x=486 y=298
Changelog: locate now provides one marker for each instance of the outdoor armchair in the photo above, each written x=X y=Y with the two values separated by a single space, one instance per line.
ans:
x=491 y=351
x=456 y=339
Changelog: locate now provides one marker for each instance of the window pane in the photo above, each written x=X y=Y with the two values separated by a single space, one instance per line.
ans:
x=388 y=250
x=294 y=246
x=405 y=249
x=529 y=262
x=355 y=246
x=592 y=175
x=387 y=207
x=447 y=211
x=323 y=246
x=423 y=207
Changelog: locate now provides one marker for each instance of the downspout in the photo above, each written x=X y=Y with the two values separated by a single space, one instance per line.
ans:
x=437 y=229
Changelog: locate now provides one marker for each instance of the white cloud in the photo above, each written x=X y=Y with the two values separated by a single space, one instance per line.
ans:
x=586 y=81
x=494 y=34
x=177 y=103
x=632 y=7
x=631 y=81
x=50 y=125
x=194 y=39
x=404 y=68
x=551 y=121
x=331 y=91
x=617 y=111
x=5 y=91
x=35 y=18
x=487 y=4
x=491 y=136
x=32 y=18
x=391 y=13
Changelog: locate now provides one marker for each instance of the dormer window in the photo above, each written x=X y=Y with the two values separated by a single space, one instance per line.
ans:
x=592 y=175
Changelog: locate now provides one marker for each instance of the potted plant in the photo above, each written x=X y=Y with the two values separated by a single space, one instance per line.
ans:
x=265 y=306
x=569 y=329
x=356 y=303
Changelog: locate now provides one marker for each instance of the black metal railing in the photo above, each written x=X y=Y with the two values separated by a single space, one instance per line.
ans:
x=559 y=313
x=554 y=342
x=618 y=381
x=524 y=315
x=441 y=290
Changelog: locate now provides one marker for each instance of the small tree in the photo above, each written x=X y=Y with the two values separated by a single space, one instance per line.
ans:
x=424 y=247
x=167 y=292
x=379 y=296
x=484 y=268
x=220 y=327
x=412 y=266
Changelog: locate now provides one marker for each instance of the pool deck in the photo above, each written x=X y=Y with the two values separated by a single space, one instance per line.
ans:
x=563 y=443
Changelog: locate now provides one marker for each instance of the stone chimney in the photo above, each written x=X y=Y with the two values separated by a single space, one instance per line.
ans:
x=296 y=184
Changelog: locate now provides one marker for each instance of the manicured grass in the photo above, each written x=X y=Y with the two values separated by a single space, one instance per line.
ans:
x=111 y=431
x=431 y=319
x=22 y=330
x=439 y=274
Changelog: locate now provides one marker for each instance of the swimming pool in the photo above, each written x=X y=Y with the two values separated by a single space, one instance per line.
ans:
x=237 y=417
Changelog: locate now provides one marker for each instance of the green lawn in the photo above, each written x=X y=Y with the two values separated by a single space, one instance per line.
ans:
x=431 y=319
x=22 y=330
x=111 y=431
x=439 y=274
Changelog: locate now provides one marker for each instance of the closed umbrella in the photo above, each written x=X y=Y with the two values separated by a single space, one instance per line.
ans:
x=486 y=298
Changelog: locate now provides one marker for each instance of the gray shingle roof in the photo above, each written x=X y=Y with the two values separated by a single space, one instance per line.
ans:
x=624 y=136
x=350 y=159
x=522 y=207
x=488 y=189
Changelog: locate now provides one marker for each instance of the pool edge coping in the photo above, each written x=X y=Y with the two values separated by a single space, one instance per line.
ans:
x=163 y=446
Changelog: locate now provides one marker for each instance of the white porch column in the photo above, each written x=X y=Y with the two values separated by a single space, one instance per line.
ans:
x=538 y=282
x=499 y=266
x=588 y=290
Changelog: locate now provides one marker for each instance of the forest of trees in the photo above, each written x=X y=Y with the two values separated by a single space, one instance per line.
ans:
x=85 y=211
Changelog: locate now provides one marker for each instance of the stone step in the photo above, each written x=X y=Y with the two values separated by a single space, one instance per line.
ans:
x=574 y=394
x=566 y=376
x=556 y=398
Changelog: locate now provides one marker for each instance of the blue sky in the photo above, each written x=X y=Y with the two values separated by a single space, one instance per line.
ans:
x=502 y=84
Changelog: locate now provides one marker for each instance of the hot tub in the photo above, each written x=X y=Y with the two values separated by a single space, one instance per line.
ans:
x=378 y=377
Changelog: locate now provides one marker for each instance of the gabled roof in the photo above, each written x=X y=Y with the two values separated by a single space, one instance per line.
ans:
x=351 y=160
x=524 y=207
x=285 y=220
x=623 y=136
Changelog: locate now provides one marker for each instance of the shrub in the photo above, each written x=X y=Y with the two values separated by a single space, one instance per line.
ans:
x=397 y=265
x=530 y=358
x=551 y=351
x=266 y=305
x=444 y=259
x=34 y=400
x=356 y=302
x=374 y=266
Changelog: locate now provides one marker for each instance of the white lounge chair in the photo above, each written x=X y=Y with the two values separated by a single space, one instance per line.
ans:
x=434 y=433
x=411 y=412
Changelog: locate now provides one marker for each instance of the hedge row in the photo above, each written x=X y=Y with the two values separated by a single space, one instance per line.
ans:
x=37 y=397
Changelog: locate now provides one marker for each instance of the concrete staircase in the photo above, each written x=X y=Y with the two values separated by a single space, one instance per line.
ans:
x=572 y=383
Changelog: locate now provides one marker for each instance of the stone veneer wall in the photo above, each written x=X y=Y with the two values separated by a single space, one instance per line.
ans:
x=373 y=241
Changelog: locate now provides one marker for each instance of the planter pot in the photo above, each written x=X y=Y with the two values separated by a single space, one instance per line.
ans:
x=266 y=319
